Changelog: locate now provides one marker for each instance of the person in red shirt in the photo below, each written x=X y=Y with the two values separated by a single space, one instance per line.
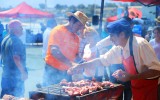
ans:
x=63 y=45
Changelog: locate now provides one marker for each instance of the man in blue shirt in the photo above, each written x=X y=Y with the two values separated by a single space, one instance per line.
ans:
x=13 y=56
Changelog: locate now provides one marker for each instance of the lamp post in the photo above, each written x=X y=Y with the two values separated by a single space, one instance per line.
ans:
x=46 y=5
x=101 y=16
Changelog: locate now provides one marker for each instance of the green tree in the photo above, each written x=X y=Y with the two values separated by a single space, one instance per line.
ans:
x=72 y=8
x=42 y=6
x=110 y=5
x=90 y=10
x=136 y=4
x=124 y=4
x=81 y=6
x=59 y=7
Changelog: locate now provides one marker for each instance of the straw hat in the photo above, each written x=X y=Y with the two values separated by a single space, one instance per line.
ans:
x=158 y=19
x=79 y=15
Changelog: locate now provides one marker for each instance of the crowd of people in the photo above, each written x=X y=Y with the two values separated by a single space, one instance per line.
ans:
x=139 y=59
x=77 y=51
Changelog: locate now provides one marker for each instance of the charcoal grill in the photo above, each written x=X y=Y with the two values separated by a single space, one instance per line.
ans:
x=56 y=92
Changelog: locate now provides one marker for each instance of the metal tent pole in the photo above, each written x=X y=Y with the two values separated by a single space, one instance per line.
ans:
x=101 y=17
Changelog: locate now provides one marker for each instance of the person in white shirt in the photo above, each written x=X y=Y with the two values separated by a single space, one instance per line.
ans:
x=51 y=23
x=91 y=52
x=104 y=46
x=155 y=43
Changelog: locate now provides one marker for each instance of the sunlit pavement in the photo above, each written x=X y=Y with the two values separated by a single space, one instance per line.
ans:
x=35 y=65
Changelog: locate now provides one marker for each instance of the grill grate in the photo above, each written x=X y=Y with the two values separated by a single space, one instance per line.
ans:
x=56 y=92
x=55 y=89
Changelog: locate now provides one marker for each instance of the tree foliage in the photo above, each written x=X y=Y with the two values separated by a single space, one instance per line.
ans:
x=60 y=7
x=81 y=6
x=42 y=6
x=136 y=4
x=110 y=5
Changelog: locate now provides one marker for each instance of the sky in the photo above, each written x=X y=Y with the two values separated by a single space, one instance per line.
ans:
x=50 y=3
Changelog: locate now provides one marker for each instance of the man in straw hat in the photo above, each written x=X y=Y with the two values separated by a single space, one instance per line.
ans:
x=141 y=65
x=63 y=45
x=157 y=21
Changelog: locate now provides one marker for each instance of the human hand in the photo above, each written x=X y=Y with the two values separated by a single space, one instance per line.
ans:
x=8 y=97
x=121 y=75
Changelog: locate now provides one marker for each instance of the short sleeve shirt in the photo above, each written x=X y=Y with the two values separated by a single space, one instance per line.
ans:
x=12 y=45
x=68 y=44
x=144 y=55
x=156 y=47
x=89 y=54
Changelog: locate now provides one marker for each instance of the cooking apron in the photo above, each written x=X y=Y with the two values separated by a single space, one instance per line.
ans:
x=142 y=89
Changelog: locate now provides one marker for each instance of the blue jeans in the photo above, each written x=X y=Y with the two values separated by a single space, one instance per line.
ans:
x=12 y=86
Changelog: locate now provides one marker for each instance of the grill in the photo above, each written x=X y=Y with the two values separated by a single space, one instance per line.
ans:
x=56 y=92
